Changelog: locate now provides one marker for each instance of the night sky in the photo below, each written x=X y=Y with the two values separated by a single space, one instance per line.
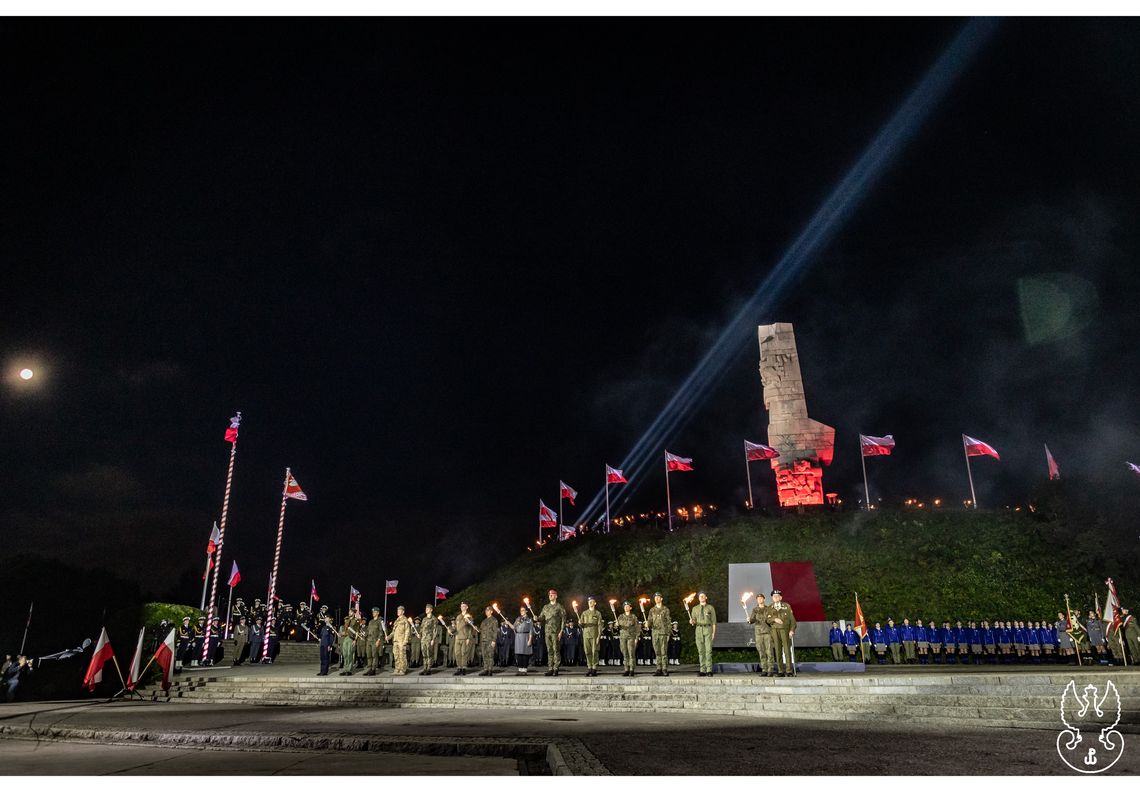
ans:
x=440 y=265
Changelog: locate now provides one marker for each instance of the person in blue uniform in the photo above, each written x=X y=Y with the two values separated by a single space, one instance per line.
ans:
x=1003 y=634
x=879 y=642
x=327 y=635
x=892 y=634
x=569 y=643
x=974 y=638
x=185 y=643
x=835 y=638
x=538 y=644
x=1019 y=640
x=908 y=638
x=851 y=641
x=256 y=640
x=989 y=642
x=922 y=641
x=940 y=637
x=1033 y=642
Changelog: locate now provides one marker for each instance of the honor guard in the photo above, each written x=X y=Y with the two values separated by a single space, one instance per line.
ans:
x=660 y=623
x=762 y=633
x=488 y=632
x=374 y=642
x=256 y=640
x=553 y=619
x=702 y=617
x=430 y=631
x=629 y=630
x=185 y=641
x=400 y=636
x=783 y=623
x=591 y=621
x=465 y=632
x=241 y=640
x=347 y=636
x=327 y=639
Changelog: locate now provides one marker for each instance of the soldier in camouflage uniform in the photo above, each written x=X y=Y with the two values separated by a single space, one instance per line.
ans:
x=591 y=621
x=347 y=645
x=374 y=639
x=400 y=635
x=783 y=623
x=553 y=619
x=703 y=618
x=430 y=631
x=488 y=632
x=762 y=633
x=630 y=630
x=660 y=623
x=464 y=640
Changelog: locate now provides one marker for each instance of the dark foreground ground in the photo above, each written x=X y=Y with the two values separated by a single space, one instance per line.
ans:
x=112 y=738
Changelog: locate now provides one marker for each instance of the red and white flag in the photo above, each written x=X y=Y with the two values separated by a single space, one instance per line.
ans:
x=1054 y=471
x=136 y=663
x=877 y=446
x=757 y=452
x=1133 y=467
x=1112 y=607
x=674 y=462
x=102 y=655
x=232 y=432
x=441 y=593
x=975 y=447
x=235 y=575
x=390 y=586
x=293 y=490
x=313 y=591
x=164 y=656
x=567 y=531
x=353 y=595
x=614 y=476
x=860 y=625
x=546 y=516
x=215 y=540
x=567 y=492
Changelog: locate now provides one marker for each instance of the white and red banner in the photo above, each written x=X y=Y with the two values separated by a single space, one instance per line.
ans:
x=390 y=586
x=232 y=431
x=353 y=595
x=1112 y=615
x=758 y=452
x=976 y=447
x=1054 y=471
x=441 y=593
x=615 y=476
x=675 y=463
x=136 y=663
x=164 y=656
x=215 y=540
x=235 y=575
x=313 y=591
x=567 y=492
x=877 y=446
x=567 y=531
x=546 y=516
x=293 y=489
x=102 y=655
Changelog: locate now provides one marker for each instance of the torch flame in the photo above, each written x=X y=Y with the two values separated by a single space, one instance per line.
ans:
x=690 y=598
x=526 y=601
x=495 y=605
x=643 y=600
x=746 y=596
x=613 y=602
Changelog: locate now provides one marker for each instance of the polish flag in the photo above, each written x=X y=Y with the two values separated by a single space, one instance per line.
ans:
x=614 y=476
x=674 y=462
x=1112 y=607
x=232 y=432
x=353 y=594
x=1054 y=471
x=235 y=576
x=136 y=661
x=215 y=540
x=164 y=656
x=390 y=586
x=103 y=653
x=546 y=516
x=860 y=625
x=877 y=446
x=795 y=580
x=293 y=490
x=1133 y=467
x=441 y=593
x=975 y=447
x=567 y=492
x=567 y=531
x=313 y=591
x=757 y=452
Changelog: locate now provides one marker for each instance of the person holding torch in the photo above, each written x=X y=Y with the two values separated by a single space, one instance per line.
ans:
x=703 y=618
x=591 y=622
x=553 y=619
x=629 y=630
x=660 y=623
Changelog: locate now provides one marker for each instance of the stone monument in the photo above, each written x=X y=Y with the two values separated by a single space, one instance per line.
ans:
x=805 y=445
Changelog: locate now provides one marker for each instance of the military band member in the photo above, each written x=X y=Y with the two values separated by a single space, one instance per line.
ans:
x=591 y=620
x=762 y=633
x=488 y=632
x=659 y=627
x=892 y=633
x=430 y=631
x=185 y=642
x=835 y=639
x=629 y=631
x=399 y=636
x=347 y=636
x=702 y=617
x=465 y=633
x=675 y=645
x=783 y=623
x=553 y=619
x=908 y=636
x=374 y=641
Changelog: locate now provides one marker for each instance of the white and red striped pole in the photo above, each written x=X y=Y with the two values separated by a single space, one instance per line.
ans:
x=277 y=556
x=218 y=551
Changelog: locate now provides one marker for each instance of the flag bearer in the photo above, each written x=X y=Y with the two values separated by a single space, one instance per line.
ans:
x=783 y=623
x=591 y=620
x=703 y=619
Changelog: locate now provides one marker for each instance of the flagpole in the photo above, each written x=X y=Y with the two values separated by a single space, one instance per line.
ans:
x=866 y=487
x=229 y=614
x=385 y=600
x=973 y=497
x=748 y=475
x=205 y=583
x=218 y=548
x=559 y=511
x=607 y=499
x=27 y=625
x=276 y=558
x=540 y=521
x=668 y=496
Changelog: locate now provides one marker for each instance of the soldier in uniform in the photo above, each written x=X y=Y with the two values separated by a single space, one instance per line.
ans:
x=373 y=636
x=569 y=643
x=185 y=642
x=347 y=637
x=552 y=618
x=591 y=621
x=256 y=640
x=327 y=638
x=416 y=644
x=360 y=645
x=430 y=631
x=783 y=623
x=762 y=633
x=1130 y=631
x=198 y=637
x=702 y=617
x=660 y=623
x=835 y=638
x=465 y=632
x=399 y=636
x=241 y=640
x=675 y=644
x=629 y=630
x=537 y=644
x=488 y=634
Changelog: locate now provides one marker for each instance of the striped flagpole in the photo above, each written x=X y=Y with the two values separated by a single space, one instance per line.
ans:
x=276 y=558
x=210 y=612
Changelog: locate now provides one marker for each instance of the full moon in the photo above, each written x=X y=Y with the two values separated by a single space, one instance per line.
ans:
x=26 y=374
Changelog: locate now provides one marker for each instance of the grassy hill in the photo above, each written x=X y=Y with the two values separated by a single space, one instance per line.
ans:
x=920 y=564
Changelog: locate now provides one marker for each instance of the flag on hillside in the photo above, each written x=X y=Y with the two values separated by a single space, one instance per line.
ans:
x=546 y=516
x=614 y=476
x=975 y=447
x=860 y=625
x=1054 y=471
x=102 y=655
x=1133 y=467
x=1112 y=607
x=353 y=595
x=567 y=492
x=164 y=656
x=877 y=446
x=313 y=591
x=232 y=432
x=235 y=575
x=757 y=452
x=293 y=490
x=674 y=462
x=136 y=663
x=390 y=586
x=441 y=593
x=215 y=540
x=567 y=531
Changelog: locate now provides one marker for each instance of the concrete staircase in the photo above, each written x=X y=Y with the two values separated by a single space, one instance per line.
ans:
x=1005 y=700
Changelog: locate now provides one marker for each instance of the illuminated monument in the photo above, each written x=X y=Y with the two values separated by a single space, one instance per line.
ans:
x=804 y=445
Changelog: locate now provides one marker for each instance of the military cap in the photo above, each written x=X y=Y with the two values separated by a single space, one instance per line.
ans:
x=627 y=602
x=777 y=591
x=699 y=593
x=185 y=618
x=375 y=610
x=657 y=594
x=591 y=598
x=552 y=591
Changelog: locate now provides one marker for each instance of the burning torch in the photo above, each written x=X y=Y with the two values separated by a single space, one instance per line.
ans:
x=612 y=609
x=745 y=598
x=687 y=600
x=526 y=601
x=641 y=603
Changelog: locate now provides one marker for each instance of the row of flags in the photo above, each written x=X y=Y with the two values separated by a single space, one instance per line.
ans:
x=104 y=653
